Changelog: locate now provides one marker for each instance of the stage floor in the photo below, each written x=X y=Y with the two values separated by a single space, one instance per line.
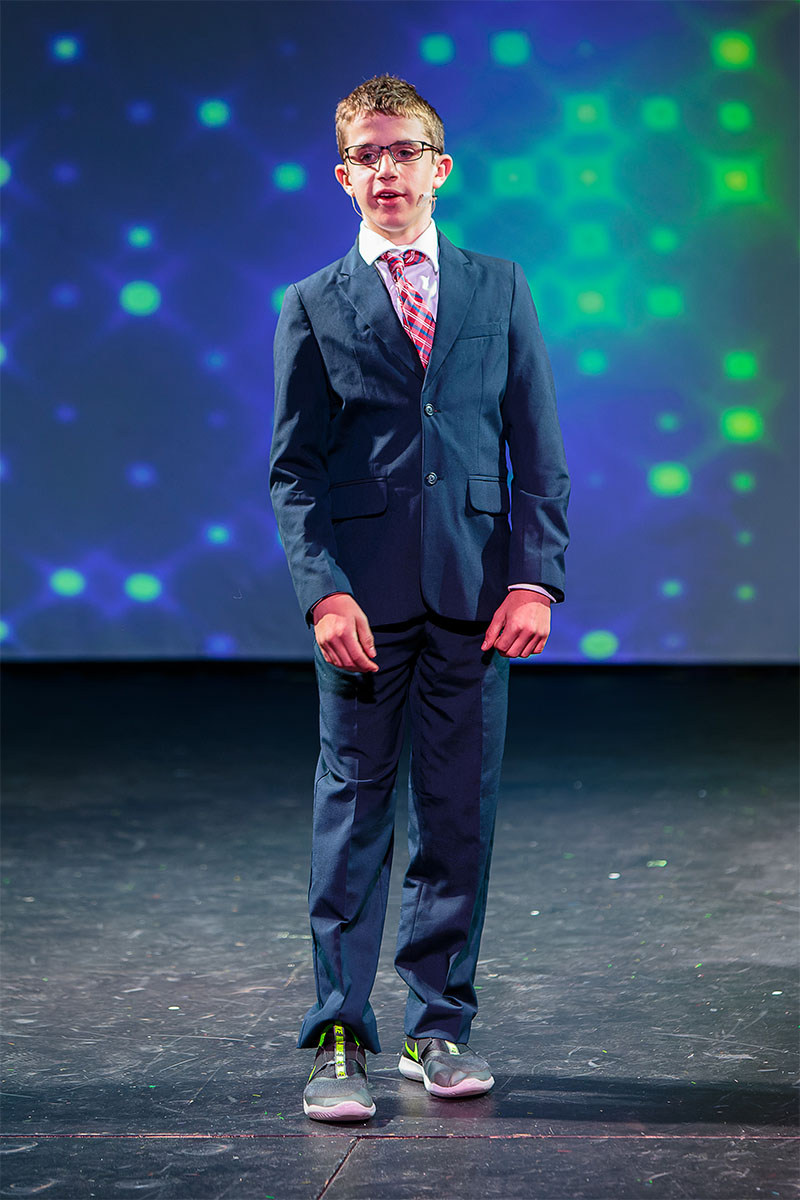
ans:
x=638 y=979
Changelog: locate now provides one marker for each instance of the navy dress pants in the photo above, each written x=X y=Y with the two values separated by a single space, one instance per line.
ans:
x=457 y=702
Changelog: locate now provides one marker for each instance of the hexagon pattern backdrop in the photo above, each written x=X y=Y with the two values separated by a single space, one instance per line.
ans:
x=167 y=169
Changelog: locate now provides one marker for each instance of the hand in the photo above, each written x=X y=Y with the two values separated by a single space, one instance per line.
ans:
x=520 y=626
x=343 y=633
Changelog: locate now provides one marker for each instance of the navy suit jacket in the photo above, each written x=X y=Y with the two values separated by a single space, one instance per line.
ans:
x=390 y=482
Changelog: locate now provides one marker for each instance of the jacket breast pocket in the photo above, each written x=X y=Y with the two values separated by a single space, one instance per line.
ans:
x=358 y=498
x=487 y=494
x=479 y=331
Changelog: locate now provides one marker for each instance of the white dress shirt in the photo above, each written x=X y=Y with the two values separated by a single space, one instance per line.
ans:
x=424 y=276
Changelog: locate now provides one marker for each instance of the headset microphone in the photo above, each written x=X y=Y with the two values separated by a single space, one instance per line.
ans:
x=424 y=198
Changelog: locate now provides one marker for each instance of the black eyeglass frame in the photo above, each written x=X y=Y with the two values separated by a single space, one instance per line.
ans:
x=401 y=142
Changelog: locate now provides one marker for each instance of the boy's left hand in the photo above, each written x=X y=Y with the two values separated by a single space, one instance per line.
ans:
x=520 y=626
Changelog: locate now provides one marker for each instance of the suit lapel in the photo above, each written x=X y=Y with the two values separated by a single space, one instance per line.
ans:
x=456 y=289
x=365 y=290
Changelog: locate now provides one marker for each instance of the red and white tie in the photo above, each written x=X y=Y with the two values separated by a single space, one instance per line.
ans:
x=418 y=319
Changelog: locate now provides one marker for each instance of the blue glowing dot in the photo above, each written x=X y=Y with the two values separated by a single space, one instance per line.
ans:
x=671 y=587
x=5 y=171
x=3 y=468
x=65 y=173
x=216 y=359
x=65 y=295
x=213 y=113
x=141 y=474
x=5 y=631
x=66 y=413
x=220 y=645
x=139 y=236
x=65 y=48
x=217 y=534
x=67 y=582
x=143 y=587
x=673 y=641
x=140 y=112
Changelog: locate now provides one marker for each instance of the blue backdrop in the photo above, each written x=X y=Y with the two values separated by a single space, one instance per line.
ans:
x=167 y=170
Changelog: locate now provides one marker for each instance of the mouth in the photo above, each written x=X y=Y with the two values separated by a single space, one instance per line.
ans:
x=387 y=195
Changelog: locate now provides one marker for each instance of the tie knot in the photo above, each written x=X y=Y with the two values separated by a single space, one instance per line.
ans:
x=397 y=262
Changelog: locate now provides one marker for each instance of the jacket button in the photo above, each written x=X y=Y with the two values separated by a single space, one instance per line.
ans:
x=431 y=478
x=429 y=410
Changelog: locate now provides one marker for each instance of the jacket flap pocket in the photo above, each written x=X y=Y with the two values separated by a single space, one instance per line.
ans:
x=488 y=495
x=476 y=331
x=361 y=498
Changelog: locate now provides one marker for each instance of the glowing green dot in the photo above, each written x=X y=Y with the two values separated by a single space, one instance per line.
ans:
x=213 y=113
x=660 y=862
x=276 y=299
x=5 y=171
x=289 y=177
x=140 y=298
x=668 y=422
x=744 y=537
x=663 y=240
x=587 y=114
x=740 y=364
x=588 y=239
x=590 y=301
x=142 y=587
x=67 y=582
x=660 y=112
x=732 y=50
x=588 y=176
x=734 y=116
x=592 y=362
x=64 y=48
x=437 y=48
x=743 y=481
x=510 y=49
x=665 y=301
x=512 y=176
x=736 y=179
x=139 y=236
x=669 y=479
x=742 y=425
x=671 y=588
x=599 y=643
x=3 y=353
x=452 y=231
x=4 y=632
x=745 y=592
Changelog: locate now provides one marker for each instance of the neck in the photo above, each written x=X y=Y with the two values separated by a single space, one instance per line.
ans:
x=403 y=237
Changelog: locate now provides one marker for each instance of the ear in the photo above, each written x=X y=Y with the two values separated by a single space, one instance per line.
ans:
x=444 y=166
x=340 y=171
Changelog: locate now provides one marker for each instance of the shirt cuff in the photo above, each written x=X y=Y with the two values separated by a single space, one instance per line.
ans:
x=531 y=587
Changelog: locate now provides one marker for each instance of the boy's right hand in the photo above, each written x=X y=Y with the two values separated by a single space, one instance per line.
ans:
x=343 y=633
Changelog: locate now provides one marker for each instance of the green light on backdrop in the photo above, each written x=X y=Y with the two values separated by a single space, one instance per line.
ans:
x=3 y=353
x=142 y=587
x=437 y=48
x=668 y=422
x=665 y=301
x=512 y=176
x=587 y=178
x=590 y=302
x=65 y=48
x=732 y=50
x=67 y=582
x=586 y=114
x=734 y=116
x=745 y=592
x=289 y=177
x=736 y=181
x=663 y=240
x=452 y=230
x=276 y=299
x=660 y=112
x=744 y=537
x=213 y=113
x=671 y=588
x=589 y=239
x=4 y=630
x=455 y=182
x=5 y=171
x=742 y=425
x=140 y=236
x=669 y=479
x=743 y=481
x=510 y=49
x=600 y=643
x=740 y=364
x=140 y=298
x=592 y=362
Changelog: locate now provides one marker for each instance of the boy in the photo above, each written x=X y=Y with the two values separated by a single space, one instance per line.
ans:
x=402 y=373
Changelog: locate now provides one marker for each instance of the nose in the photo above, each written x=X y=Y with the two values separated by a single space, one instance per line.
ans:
x=387 y=167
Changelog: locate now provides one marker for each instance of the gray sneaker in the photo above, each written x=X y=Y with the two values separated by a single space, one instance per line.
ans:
x=448 y=1069
x=337 y=1088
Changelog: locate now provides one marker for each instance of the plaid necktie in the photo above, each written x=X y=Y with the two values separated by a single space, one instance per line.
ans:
x=418 y=319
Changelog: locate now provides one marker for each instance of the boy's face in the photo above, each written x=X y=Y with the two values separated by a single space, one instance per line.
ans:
x=395 y=198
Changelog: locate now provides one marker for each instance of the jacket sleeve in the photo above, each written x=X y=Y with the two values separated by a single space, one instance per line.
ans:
x=299 y=483
x=540 y=483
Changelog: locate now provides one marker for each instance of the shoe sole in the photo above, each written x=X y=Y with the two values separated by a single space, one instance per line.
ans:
x=467 y=1087
x=347 y=1110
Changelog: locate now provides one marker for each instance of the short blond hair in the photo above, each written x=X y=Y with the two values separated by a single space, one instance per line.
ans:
x=394 y=97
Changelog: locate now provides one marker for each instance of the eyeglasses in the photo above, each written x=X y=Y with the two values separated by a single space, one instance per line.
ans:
x=370 y=155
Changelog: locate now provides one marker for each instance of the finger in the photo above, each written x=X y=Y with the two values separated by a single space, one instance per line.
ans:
x=530 y=648
x=353 y=655
x=492 y=633
x=365 y=635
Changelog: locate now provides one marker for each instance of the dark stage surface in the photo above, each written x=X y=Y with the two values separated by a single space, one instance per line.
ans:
x=638 y=979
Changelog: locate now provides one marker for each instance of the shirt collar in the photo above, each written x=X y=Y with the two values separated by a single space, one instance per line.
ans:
x=372 y=245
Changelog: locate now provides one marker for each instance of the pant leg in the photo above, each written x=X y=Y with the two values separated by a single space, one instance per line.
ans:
x=458 y=705
x=361 y=737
